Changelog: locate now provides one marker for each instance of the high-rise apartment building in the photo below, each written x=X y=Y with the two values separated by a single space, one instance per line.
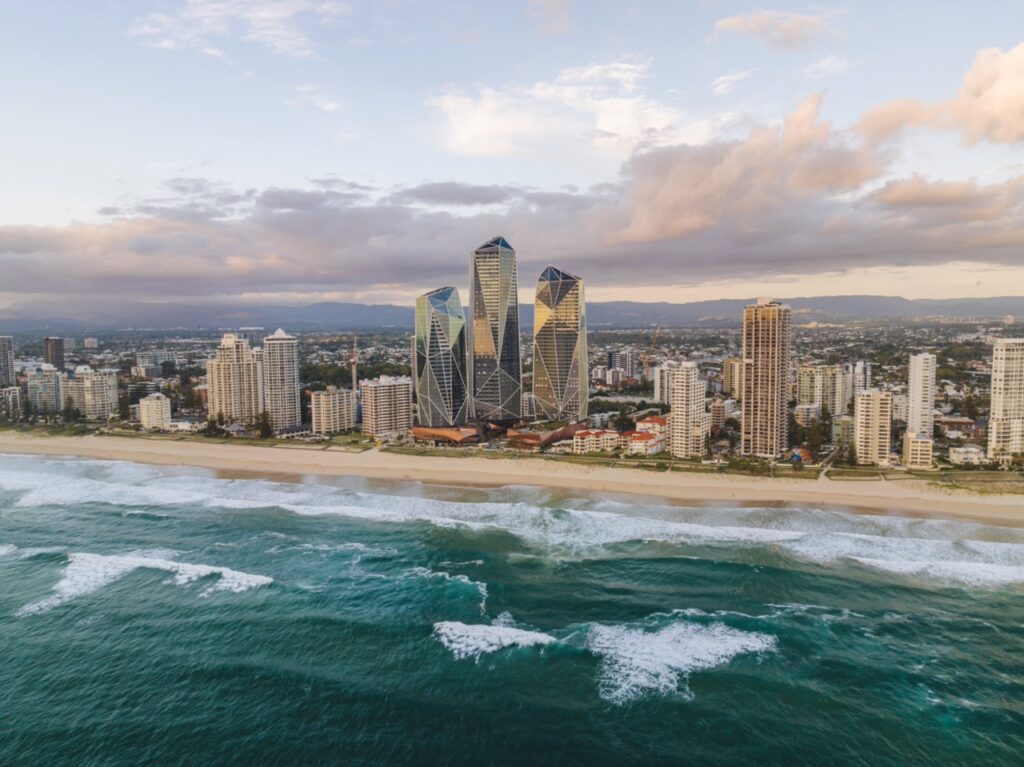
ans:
x=155 y=412
x=333 y=410
x=623 y=360
x=861 y=376
x=92 y=392
x=824 y=386
x=495 y=364
x=53 y=352
x=1006 y=414
x=732 y=376
x=7 y=377
x=661 y=375
x=281 y=391
x=387 y=406
x=689 y=421
x=45 y=387
x=872 y=426
x=560 y=361
x=439 y=358
x=921 y=395
x=254 y=335
x=234 y=379
x=766 y=364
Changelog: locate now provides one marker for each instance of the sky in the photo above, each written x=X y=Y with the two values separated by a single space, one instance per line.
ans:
x=305 y=150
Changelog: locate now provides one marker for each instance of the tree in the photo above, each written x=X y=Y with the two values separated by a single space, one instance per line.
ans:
x=70 y=413
x=221 y=420
x=623 y=422
x=263 y=425
x=124 y=407
x=851 y=455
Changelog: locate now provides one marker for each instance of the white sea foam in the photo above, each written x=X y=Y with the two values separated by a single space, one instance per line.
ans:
x=88 y=573
x=471 y=641
x=636 y=662
x=7 y=548
x=943 y=551
x=481 y=588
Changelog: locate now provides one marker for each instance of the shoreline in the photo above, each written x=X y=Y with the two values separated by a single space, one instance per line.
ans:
x=906 y=497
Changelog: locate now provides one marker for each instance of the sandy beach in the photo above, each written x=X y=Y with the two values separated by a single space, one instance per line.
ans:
x=909 y=497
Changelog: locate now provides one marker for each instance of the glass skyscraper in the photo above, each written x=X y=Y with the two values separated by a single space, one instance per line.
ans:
x=560 y=374
x=495 y=366
x=440 y=370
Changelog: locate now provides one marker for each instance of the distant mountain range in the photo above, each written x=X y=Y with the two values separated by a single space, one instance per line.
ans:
x=72 y=317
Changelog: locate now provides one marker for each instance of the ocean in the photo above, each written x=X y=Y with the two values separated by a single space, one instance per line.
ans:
x=172 y=616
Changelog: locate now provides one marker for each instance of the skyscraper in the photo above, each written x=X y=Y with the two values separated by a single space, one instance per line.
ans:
x=440 y=359
x=495 y=364
x=6 y=361
x=560 y=373
x=689 y=421
x=53 y=352
x=766 y=353
x=235 y=380
x=621 y=359
x=1006 y=415
x=45 y=387
x=281 y=381
x=824 y=386
x=732 y=376
x=872 y=426
x=921 y=395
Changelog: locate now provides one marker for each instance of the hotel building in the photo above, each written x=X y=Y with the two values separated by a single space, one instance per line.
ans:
x=560 y=374
x=439 y=358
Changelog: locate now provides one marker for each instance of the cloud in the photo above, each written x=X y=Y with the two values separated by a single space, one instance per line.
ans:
x=453 y=193
x=829 y=66
x=989 y=106
x=600 y=106
x=675 y=191
x=552 y=15
x=781 y=29
x=726 y=84
x=276 y=24
x=311 y=94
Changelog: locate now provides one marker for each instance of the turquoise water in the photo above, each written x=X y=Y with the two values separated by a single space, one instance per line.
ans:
x=168 y=616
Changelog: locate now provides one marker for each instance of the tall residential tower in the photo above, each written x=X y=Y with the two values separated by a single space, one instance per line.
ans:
x=560 y=371
x=235 y=380
x=6 y=361
x=495 y=365
x=1006 y=415
x=440 y=359
x=281 y=393
x=766 y=354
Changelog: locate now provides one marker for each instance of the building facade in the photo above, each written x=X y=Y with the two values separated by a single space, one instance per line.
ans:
x=53 y=352
x=10 y=402
x=440 y=360
x=281 y=392
x=689 y=422
x=921 y=395
x=45 y=388
x=234 y=378
x=1006 y=414
x=661 y=374
x=917 y=451
x=872 y=427
x=7 y=377
x=560 y=362
x=387 y=406
x=92 y=392
x=333 y=410
x=766 y=365
x=155 y=412
x=495 y=363
x=825 y=386
x=732 y=376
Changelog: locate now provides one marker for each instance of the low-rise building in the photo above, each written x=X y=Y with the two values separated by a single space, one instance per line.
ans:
x=596 y=441
x=155 y=412
x=804 y=414
x=333 y=410
x=917 y=451
x=967 y=455
x=10 y=402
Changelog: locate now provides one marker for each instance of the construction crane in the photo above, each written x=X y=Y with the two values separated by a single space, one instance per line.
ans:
x=645 y=358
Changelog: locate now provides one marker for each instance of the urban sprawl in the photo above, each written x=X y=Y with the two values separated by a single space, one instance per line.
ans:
x=915 y=395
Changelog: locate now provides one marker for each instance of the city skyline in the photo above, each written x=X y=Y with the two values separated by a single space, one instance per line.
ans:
x=791 y=142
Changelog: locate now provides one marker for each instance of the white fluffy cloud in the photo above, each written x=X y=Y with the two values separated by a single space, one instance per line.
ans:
x=989 y=106
x=602 y=105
